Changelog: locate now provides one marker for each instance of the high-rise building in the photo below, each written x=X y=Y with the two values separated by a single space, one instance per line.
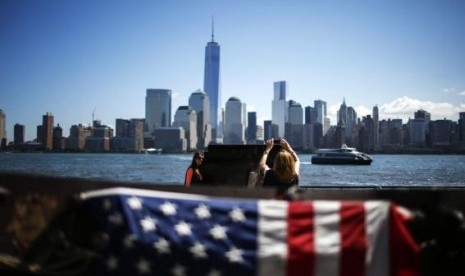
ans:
x=58 y=139
x=186 y=118
x=47 y=131
x=233 y=122
x=157 y=109
x=199 y=101
x=320 y=114
x=251 y=136
x=211 y=85
x=461 y=129
x=376 y=127
x=309 y=115
x=19 y=134
x=279 y=106
x=77 y=137
x=294 y=127
x=2 y=127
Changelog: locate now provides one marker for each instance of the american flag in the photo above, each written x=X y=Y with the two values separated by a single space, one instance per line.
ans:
x=162 y=233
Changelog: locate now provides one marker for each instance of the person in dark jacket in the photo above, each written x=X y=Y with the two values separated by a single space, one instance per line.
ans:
x=193 y=172
x=286 y=166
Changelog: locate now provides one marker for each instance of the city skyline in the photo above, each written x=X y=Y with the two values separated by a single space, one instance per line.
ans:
x=72 y=58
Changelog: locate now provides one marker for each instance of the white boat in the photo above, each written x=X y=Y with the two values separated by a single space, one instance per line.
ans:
x=342 y=156
x=153 y=151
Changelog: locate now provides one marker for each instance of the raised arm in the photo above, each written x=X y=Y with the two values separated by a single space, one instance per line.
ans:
x=285 y=145
x=263 y=165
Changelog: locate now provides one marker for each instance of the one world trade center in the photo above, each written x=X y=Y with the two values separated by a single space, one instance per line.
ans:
x=211 y=86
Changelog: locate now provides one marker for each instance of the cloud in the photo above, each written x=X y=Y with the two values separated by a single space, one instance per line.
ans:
x=405 y=107
x=462 y=93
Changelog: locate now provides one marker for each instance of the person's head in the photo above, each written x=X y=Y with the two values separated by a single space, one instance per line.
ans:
x=284 y=166
x=197 y=159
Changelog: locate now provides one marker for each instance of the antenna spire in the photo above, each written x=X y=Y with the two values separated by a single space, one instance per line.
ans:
x=213 y=28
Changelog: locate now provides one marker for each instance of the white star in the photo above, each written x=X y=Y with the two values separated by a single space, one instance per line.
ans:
x=234 y=255
x=202 y=211
x=162 y=246
x=198 y=251
x=135 y=203
x=179 y=270
x=106 y=204
x=237 y=215
x=116 y=218
x=218 y=232
x=112 y=263
x=168 y=208
x=148 y=224
x=143 y=266
x=183 y=228
x=129 y=241
x=214 y=272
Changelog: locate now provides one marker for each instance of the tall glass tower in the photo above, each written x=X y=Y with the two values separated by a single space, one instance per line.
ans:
x=157 y=109
x=211 y=85
x=279 y=106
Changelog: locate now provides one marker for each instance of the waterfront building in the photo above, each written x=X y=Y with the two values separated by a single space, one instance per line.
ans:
x=186 y=118
x=441 y=133
x=19 y=134
x=170 y=139
x=233 y=122
x=310 y=117
x=3 y=138
x=390 y=134
x=294 y=126
x=200 y=102
x=129 y=135
x=77 y=137
x=211 y=85
x=58 y=139
x=417 y=131
x=366 y=134
x=461 y=130
x=122 y=128
x=45 y=131
x=100 y=139
x=251 y=133
x=279 y=111
x=376 y=127
x=267 y=130
x=320 y=114
x=157 y=109
x=260 y=135
x=351 y=123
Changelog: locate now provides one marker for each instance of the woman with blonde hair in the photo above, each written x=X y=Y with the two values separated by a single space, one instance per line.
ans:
x=285 y=171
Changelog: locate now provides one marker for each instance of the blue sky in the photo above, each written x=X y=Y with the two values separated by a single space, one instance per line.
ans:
x=71 y=57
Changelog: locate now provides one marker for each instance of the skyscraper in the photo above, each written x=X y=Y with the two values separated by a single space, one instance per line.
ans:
x=320 y=112
x=2 y=126
x=47 y=131
x=157 y=109
x=279 y=106
x=211 y=85
x=251 y=127
x=186 y=118
x=233 y=122
x=200 y=103
x=19 y=134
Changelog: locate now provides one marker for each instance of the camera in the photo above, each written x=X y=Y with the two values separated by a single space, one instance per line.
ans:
x=277 y=141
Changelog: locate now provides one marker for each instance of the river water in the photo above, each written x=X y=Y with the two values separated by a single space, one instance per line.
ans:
x=386 y=170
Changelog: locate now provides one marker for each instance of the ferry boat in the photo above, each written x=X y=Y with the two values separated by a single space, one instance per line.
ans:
x=342 y=156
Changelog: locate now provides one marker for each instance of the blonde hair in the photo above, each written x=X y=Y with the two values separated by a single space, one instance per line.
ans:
x=284 y=166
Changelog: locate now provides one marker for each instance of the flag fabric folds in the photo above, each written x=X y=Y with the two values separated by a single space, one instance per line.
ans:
x=161 y=233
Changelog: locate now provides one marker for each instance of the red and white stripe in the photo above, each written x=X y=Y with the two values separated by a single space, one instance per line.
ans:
x=333 y=238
